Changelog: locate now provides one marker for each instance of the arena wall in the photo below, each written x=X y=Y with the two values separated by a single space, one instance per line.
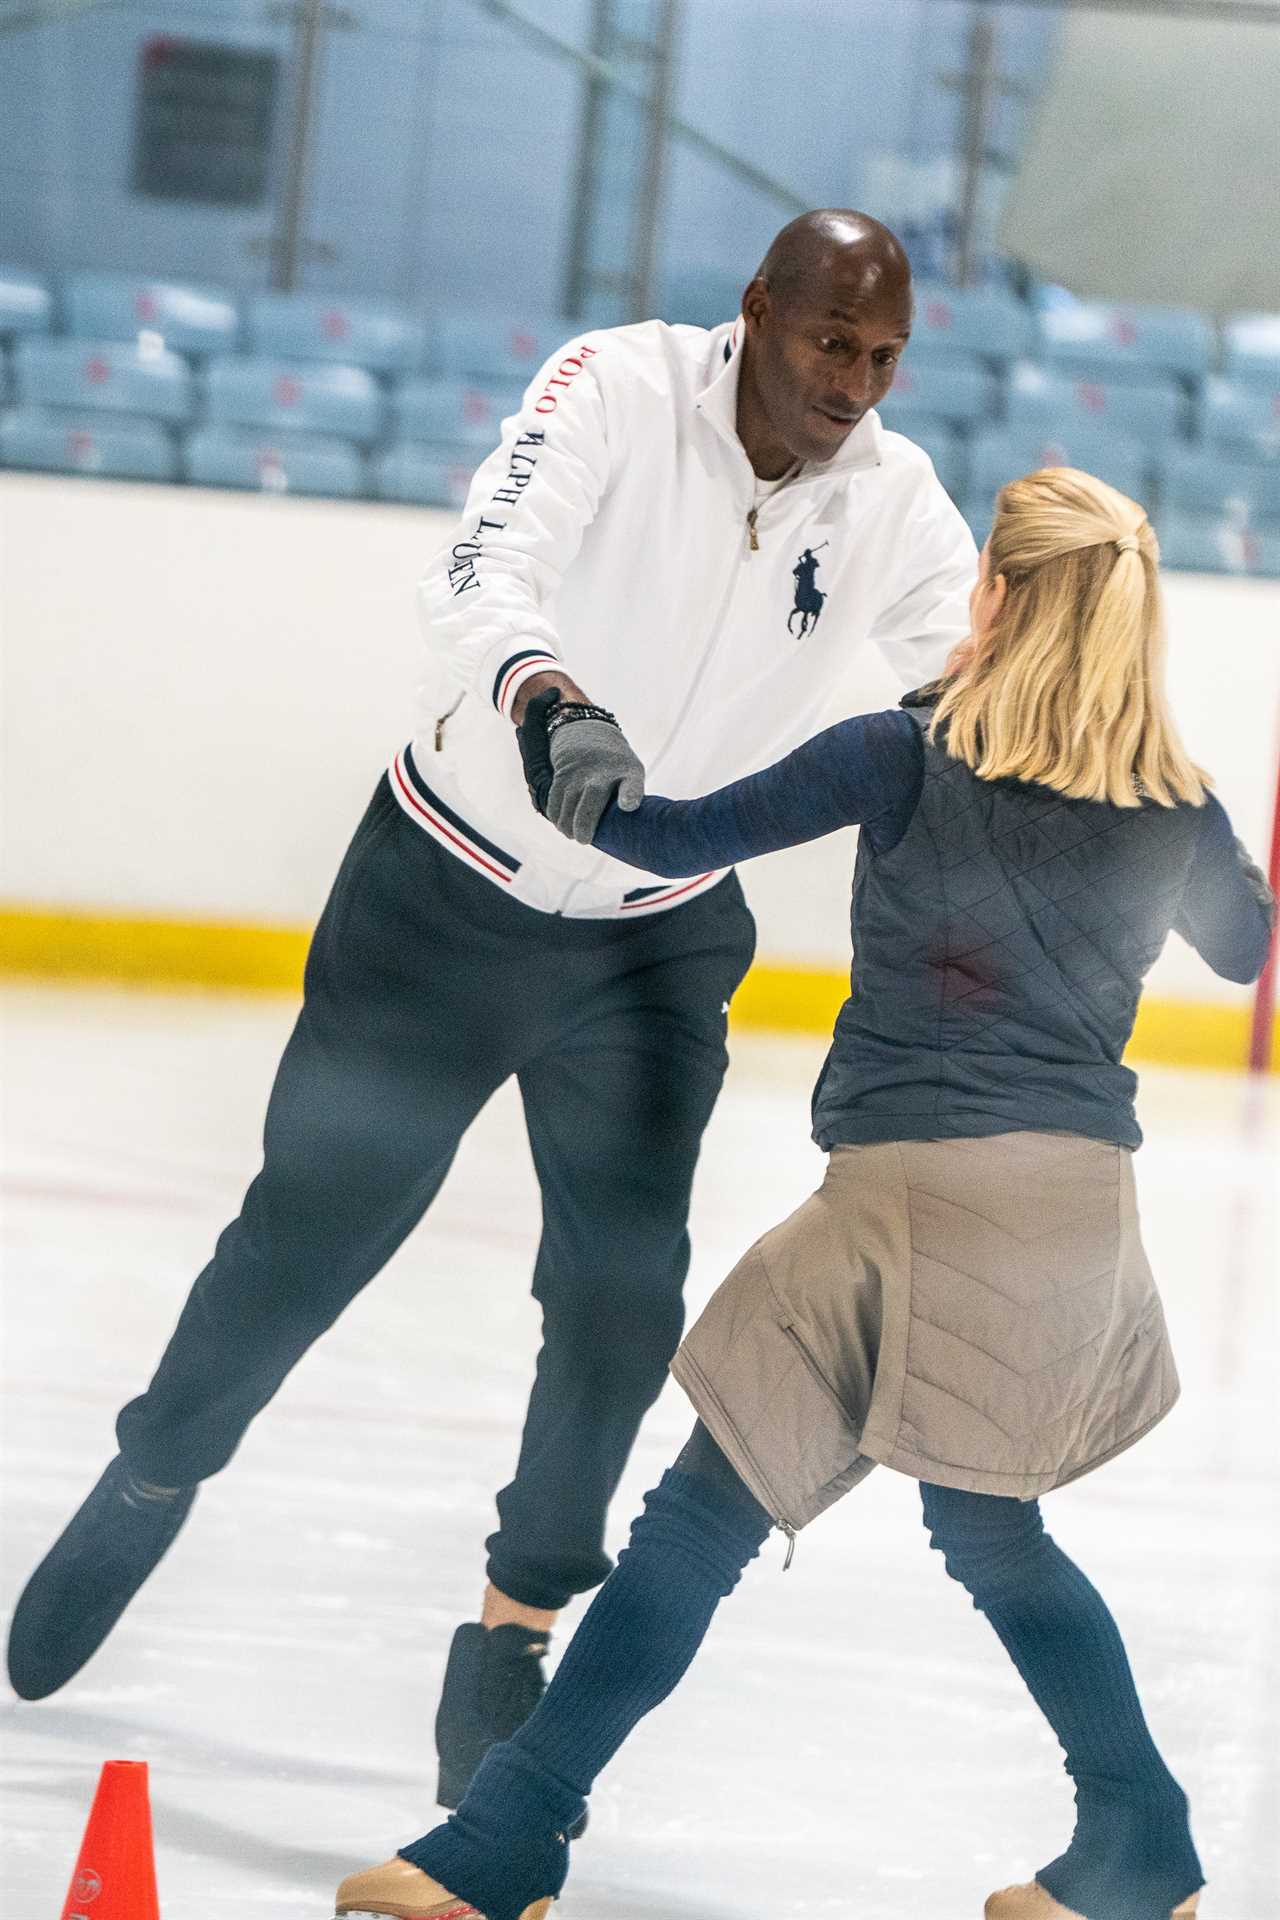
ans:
x=200 y=690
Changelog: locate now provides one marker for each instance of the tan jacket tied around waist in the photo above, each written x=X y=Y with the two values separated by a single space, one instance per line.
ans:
x=978 y=1313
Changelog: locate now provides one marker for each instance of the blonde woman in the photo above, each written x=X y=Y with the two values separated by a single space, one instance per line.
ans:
x=965 y=1298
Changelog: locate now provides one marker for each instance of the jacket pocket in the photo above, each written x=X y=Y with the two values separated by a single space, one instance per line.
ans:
x=796 y=1339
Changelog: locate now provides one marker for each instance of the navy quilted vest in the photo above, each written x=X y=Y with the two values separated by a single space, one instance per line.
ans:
x=999 y=952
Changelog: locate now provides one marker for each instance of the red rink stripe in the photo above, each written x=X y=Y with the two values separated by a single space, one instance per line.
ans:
x=661 y=899
x=446 y=832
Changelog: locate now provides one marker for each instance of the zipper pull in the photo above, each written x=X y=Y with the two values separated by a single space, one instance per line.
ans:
x=440 y=733
x=751 y=529
x=790 y=1532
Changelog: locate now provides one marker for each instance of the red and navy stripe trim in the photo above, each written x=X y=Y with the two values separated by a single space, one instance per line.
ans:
x=519 y=666
x=660 y=896
x=431 y=812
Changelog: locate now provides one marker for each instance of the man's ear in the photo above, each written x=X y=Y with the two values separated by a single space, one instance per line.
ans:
x=755 y=304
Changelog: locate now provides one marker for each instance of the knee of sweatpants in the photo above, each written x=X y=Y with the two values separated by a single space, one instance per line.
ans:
x=986 y=1540
x=624 y=1326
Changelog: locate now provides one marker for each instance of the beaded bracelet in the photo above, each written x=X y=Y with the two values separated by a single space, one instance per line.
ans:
x=567 y=710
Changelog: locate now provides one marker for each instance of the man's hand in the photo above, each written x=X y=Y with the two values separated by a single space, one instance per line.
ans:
x=577 y=767
x=592 y=764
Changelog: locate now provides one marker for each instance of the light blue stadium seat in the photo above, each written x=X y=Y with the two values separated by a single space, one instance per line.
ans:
x=289 y=396
x=942 y=444
x=26 y=304
x=999 y=454
x=1252 y=348
x=356 y=333
x=702 y=298
x=104 y=375
x=112 y=445
x=121 y=306
x=499 y=346
x=451 y=413
x=1201 y=544
x=984 y=320
x=1242 y=416
x=1110 y=339
x=1048 y=400
x=424 y=476
x=277 y=463
x=957 y=388
x=1199 y=480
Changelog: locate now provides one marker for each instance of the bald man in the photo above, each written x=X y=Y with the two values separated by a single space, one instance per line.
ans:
x=697 y=530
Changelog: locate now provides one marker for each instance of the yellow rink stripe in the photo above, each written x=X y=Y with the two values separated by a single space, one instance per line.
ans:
x=162 y=952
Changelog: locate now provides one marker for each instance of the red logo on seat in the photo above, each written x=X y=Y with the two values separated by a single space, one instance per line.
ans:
x=145 y=305
x=288 y=390
x=939 y=314
x=1122 y=330
x=335 y=324
x=97 y=371
x=1092 y=397
x=523 y=345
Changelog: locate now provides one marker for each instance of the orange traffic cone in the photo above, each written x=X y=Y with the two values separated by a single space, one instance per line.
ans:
x=115 y=1876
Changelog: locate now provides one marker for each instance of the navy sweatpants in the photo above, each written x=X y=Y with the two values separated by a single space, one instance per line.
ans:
x=426 y=989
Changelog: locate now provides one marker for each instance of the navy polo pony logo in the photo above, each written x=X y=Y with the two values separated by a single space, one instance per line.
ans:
x=810 y=600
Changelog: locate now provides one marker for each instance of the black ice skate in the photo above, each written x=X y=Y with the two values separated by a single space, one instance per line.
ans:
x=88 y=1577
x=492 y=1683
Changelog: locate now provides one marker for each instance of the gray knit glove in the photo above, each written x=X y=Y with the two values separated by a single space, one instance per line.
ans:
x=592 y=764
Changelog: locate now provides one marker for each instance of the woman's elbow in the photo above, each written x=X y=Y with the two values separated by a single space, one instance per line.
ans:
x=1244 y=964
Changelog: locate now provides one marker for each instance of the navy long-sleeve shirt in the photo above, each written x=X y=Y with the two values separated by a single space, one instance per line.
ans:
x=868 y=772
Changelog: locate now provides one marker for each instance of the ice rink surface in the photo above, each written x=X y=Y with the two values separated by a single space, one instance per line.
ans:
x=852 y=1742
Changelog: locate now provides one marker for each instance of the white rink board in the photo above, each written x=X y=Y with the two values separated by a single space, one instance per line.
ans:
x=201 y=689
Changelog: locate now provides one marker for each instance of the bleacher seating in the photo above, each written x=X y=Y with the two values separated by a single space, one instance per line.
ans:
x=222 y=456
x=422 y=475
x=449 y=412
x=1242 y=416
x=982 y=320
x=999 y=454
x=700 y=297
x=26 y=303
x=959 y=388
x=1200 y=480
x=284 y=395
x=1251 y=344
x=1094 y=337
x=63 y=441
x=104 y=375
x=1047 y=401
x=120 y=306
x=300 y=326
x=1204 y=545
x=943 y=445
x=490 y=346
x=307 y=393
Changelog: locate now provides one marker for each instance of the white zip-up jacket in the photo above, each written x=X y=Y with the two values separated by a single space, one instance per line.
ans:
x=611 y=533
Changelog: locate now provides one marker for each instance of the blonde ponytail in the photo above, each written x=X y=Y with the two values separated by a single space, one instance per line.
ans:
x=1066 y=687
